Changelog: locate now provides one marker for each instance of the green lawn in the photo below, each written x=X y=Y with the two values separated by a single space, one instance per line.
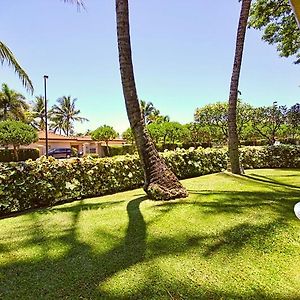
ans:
x=233 y=238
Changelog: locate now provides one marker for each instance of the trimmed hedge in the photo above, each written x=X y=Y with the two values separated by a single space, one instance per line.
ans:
x=45 y=182
x=7 y=155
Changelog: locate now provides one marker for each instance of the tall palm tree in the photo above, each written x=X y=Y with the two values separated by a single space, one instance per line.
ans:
x=38 y=113
x=233 y=139
x=65 y=113
x=7 y=56
x=12 y=104
x=160 y=182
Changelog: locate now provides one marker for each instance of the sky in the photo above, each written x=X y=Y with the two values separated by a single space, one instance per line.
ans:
x=182 y=52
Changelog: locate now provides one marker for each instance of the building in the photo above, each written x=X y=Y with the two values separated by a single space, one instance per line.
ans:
x=83 y=144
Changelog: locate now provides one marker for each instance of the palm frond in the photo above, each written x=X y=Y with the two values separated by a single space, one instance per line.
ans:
x=7 y=56
x=80 y=3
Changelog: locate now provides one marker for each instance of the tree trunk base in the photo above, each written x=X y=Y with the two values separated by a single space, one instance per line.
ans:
x=165 y=187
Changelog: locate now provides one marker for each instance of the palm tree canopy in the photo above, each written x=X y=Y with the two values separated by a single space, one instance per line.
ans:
x=38 y=112
x=65 y=113
x=12 y=104
x=7 y=56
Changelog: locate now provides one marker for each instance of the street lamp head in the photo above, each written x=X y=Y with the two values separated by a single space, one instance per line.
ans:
x=46 y=76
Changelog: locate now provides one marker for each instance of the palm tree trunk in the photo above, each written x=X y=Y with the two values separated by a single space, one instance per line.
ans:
x=233 y=139
x=296 y=8
x=160 y=182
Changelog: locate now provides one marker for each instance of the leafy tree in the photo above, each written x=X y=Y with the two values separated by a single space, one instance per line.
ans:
x=127 y=135
x=104 y=133
x=7 y=56
x=214 y=118
x=64 y=114
x=293 y=119
x=233 y=139
x=12 y=104
x=198 y=133
x=160 y=181
x=16 y=133
x=268 y=121
x=167 y=132
x=276 y=19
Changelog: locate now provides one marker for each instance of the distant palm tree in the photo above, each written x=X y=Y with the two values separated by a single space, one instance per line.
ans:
x=233 y=139
x=38 y=113
x=12 y=104
x=149 y=112
x=64 y=114
x=7 y=56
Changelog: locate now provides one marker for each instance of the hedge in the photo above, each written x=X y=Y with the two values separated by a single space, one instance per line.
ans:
x=7 y=155
x=45 y=182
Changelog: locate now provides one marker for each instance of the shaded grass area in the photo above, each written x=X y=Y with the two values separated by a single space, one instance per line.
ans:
x=235 y=237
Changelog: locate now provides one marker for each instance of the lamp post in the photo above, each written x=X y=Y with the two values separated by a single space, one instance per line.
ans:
x=46 y=113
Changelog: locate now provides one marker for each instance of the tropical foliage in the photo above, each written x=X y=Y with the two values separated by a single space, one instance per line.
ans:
x=16 y=133
x=12 y=104
x=46 y=182
x=63 y=114
x=7 y=56
x=104 y=133
x=277 y=21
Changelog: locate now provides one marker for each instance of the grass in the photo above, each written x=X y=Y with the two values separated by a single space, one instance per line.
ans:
x=235 y=237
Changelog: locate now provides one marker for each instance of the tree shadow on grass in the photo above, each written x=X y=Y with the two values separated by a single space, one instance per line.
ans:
x=269 y=180
x=82 y=271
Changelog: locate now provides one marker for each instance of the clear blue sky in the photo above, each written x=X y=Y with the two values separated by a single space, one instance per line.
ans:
x=182 y=51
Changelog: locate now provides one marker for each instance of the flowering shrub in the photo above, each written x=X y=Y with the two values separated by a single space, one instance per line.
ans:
x=43 y=182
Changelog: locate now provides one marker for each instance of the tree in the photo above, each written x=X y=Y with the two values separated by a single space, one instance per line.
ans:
x=127 y=135
x=160 y=182
x=12 y=104
x=7 y=56
x=198 y=133
x=64 y=114
x=149 y=112
x=268 y=121
x=233 y=139
x=276 y=19
x=38 y=113
x=293 y=119
x=16 y=133
x=215 y=117
x=104 y=133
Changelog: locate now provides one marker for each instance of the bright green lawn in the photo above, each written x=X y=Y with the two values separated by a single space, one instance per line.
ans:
x=234 y=237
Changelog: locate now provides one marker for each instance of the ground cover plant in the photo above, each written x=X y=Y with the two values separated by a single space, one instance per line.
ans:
x=234 y=237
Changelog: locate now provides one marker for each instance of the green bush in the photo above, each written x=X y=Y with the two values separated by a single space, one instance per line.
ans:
x=45 y=182
x=120 y=150
x=7 y=155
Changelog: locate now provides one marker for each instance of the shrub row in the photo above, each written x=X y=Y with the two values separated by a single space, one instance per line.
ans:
x=7 y=155
x=45 y=182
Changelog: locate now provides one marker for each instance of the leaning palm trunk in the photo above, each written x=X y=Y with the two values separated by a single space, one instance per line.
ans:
x=233 y=139
x=160 y=182
x=295 y=4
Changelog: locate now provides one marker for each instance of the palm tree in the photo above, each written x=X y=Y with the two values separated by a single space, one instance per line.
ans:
x=65 y=113
x=12 y=104
x=296 y=8
x=148 y=111
x=160 y=182
x=233 y=139
x=38 y=113
x=7 y=56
